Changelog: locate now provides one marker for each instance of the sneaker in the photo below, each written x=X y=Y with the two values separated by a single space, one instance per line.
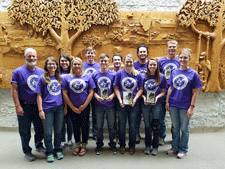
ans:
x=181 y=155
x=50 y=158
x=138 y=139
x=59 y=156
x=41 y=149
x=171 y=152
x=154 y=152
x=70 y=143
x=161 y=142
x=147 y=151
x=98 y=150
x=30 y=157
x=62 y=145
x=114 y=150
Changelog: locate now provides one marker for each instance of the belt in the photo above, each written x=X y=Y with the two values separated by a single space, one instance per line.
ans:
x=28 y=103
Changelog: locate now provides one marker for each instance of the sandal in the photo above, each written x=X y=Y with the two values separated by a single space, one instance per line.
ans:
x=170 y=152
x=76 y=151
x=83 y=151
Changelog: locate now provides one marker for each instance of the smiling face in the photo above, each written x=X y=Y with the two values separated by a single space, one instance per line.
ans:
x=64 y=63
x=90 y=55
x=51 y=66
x=152 y=66
x=184 y=59
x=104 y=63
x=172 y=49
x=76 y=66
x=117 y=62
x=142 y=53
x=129 y=63
x=31 y=58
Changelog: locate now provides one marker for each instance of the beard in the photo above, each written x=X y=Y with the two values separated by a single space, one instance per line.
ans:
x=31 y=63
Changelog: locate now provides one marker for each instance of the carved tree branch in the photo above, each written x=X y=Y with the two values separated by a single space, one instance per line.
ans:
x=223 y=42
x=75 y=36
x=211 y=35
x=54 y=35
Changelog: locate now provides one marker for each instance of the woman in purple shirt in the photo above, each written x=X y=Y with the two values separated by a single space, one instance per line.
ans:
x=78 y=90
x=128 y=87
x=50 y=106
x=64 y=65
x=181 y=97
x=154 y=89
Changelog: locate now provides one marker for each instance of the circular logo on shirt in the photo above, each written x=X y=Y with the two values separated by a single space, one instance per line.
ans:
x=104 y=82
x=129 y=84
x=54 y=88
x=90 y=71
x=150 y=85
x=32 y=82
x=180 y=82
x=170 y=66
x=142 y=71
x=77 y=85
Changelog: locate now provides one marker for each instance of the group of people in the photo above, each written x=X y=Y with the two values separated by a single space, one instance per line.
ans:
x=149 y=87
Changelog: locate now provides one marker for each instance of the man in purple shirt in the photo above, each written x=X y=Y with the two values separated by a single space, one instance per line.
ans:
x=23 y=85
x=104 y=103
x=167 y=64
x=117 y=61
x=89 y=68
x=141 y=66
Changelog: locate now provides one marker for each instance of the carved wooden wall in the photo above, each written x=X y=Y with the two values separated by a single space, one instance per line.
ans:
x=67 y=26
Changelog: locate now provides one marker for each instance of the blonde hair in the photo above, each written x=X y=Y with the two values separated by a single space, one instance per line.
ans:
x=103 y=55
x=71 y=69
x=172 y=42
x=134 y=71
x=89 y=49
x=186 y=51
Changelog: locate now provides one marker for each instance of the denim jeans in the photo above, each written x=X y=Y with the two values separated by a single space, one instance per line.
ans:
x=139 y=118
x=81 y=123
x=129 y=113
x=67 y=124
x=53 y=118
x=110 y=116
x=162 y=123
x=151 y=115
x=31 y=114
x=180 y=125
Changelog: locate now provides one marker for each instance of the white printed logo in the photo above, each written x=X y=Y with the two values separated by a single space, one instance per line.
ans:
x=170 y=66
x=180 y=82
x=129 y=84
x=104 y=82
x=77 y=85
x=54 y=88
x=150 y=85
x=90 y=71
x=32 y=82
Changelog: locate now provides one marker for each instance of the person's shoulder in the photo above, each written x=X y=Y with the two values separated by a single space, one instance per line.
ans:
x=137 y=63
x=39 y=69
x=96 y=63
x=162 y=59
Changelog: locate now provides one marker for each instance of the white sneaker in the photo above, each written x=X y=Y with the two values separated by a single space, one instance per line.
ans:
x=70 y=143
x=62 y=145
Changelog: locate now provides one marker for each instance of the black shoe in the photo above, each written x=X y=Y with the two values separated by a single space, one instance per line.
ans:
x=114 y=150
x=30 y=157
x=98 y=150
x=138 y=139
x=41 y=149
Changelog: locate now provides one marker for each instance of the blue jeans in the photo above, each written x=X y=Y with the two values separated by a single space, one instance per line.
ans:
x=151 y=115
x=94 y=121
x=180 y=123
x=130 y=113
x=67 y=122
x=110 y=115
x=162 y=123
x=31 y=114
x=139 y=118
x=54 y=118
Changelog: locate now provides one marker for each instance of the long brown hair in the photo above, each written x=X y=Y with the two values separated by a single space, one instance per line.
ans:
x=46 y=73
x=157 y=72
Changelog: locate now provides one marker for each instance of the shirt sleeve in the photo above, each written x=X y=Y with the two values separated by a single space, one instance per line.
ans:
x=140 y=80
x=170 y=80
x=163 y=83
x=39 y=87
x=117 y=80
x=64 y=84
x=197 y=82
x=91 y=83
x=15 y=77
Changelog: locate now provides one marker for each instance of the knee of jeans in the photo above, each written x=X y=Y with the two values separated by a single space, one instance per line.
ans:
x=155 y=125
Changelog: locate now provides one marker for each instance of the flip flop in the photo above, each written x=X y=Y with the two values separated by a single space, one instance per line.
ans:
x=76 y=151
x=83 y=151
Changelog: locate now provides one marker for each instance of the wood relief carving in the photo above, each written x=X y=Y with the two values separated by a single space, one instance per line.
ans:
x=53 y=27
x=193 y=14
x=51 y=15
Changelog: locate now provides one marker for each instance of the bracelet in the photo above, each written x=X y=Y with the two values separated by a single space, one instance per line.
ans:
x=192 y=105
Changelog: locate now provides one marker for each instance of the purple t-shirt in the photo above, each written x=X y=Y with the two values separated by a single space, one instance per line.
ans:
x=149 y=85
x=51 y=93
x=128 y=82
x=78 y=87
x=142 y=68
x=90 y=69
x=64 y=73
x=167 y=64
x=182 y=82
x=104 y=80
x=26 y=80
